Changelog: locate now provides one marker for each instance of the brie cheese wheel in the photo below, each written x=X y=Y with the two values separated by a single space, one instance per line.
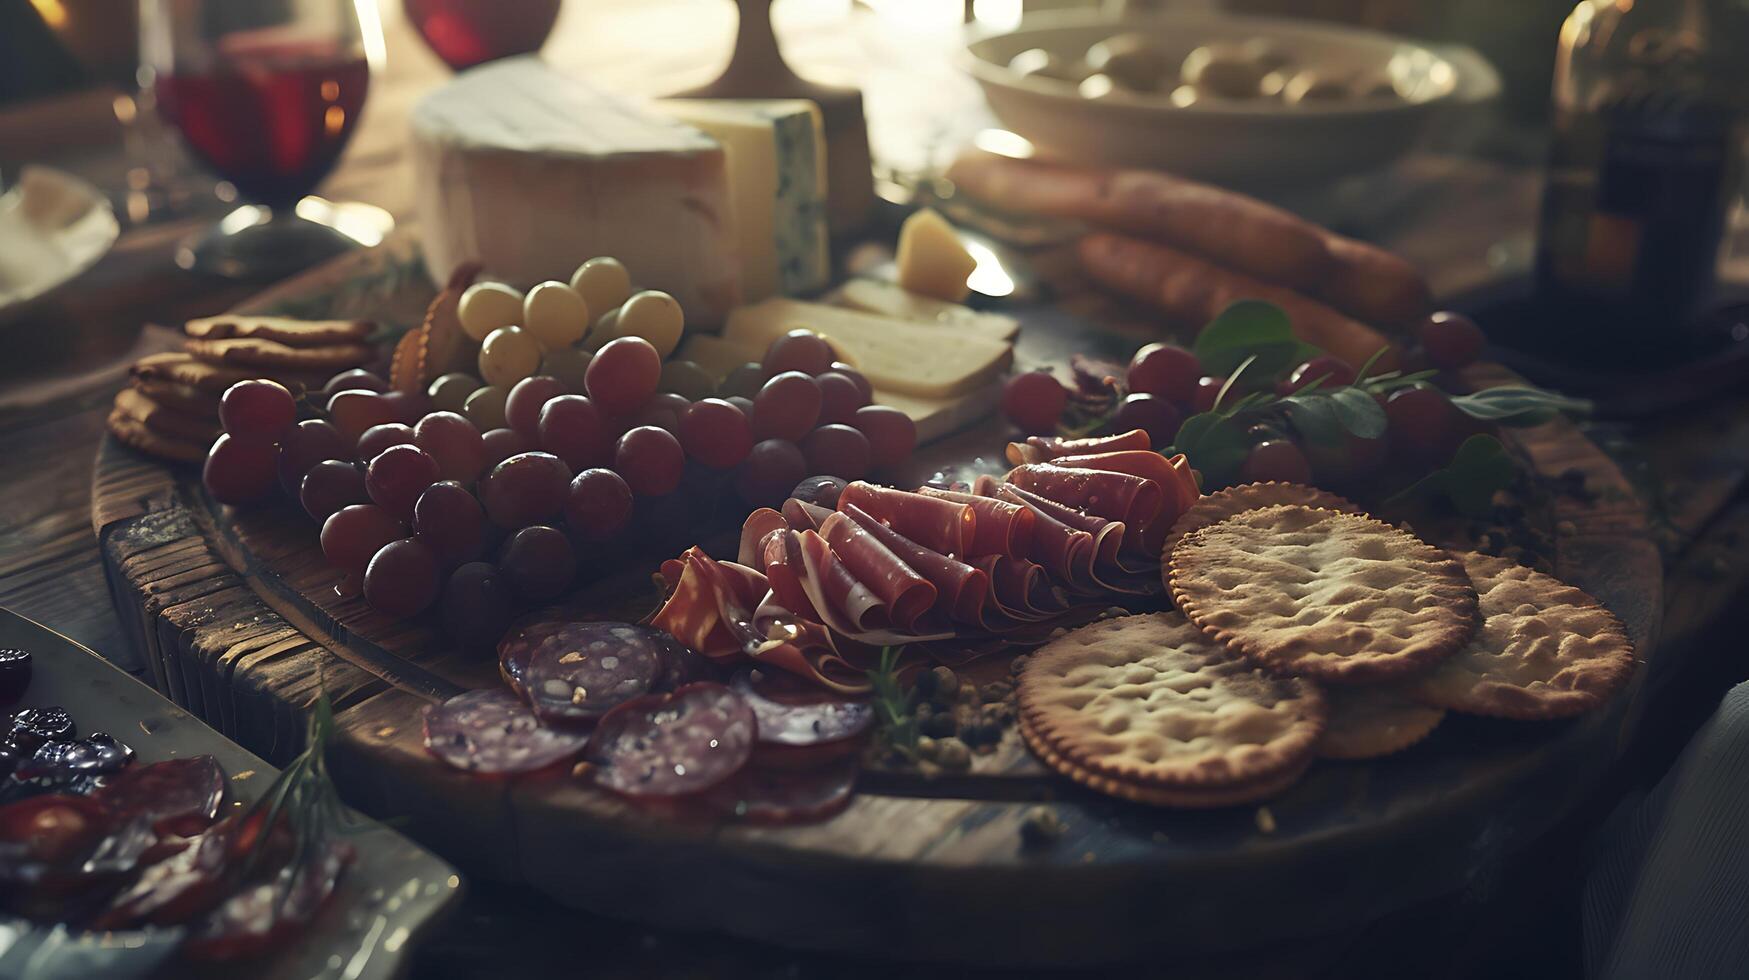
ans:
x=777 y=186
x=532 y=171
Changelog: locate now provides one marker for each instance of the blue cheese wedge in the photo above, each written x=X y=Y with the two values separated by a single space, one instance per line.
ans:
x=897 y=356
x=531 y=171
x=777 y=180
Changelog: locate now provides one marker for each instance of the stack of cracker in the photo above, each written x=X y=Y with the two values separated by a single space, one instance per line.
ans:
x=170 y=408
x=1308 y=629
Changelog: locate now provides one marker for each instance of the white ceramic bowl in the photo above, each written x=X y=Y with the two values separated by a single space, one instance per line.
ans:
x=53 y=226
x=1250 y=142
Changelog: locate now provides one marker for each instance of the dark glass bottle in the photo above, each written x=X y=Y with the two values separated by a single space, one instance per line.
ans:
x=1644 y=168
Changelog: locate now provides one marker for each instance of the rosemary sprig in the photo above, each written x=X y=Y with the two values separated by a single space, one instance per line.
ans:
x=898 y=726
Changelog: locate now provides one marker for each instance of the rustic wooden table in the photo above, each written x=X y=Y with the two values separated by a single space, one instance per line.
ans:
x=1466 y=220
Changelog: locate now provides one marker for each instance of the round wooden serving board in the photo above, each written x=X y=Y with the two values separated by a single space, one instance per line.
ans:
x=237 y=616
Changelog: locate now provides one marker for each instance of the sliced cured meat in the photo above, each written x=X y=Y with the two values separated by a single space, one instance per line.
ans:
x=1002 y=527
x=765 y=796
x=710 y=605
x=492 y=731
x=1105 y=565
x=754 y=530
x=961 y=590
x=678 y=664
x=803 y=717
x=937 y=524
x=804 y=516
x=1173 y=475
x=906 y=594
x=518 y=645
x=668 y=745
x=843 y=603
x=259 y=916
x=1043 y=449
x=179 y=796
x=1021 y=589
x=1136 y=501
x=584 y=669
x=785 y=571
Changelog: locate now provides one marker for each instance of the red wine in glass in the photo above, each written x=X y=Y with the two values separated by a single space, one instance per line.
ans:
x=271 y=118
x=465 y=33
x=266 y=94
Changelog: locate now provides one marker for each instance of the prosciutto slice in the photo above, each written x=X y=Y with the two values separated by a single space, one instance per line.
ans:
x=936 y=524
x=951 y=573
x=1043 y=449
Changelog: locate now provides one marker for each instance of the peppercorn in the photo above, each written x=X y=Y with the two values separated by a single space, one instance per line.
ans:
x=939 y=726
x=946 y=686
x=952 y=753
x=996 y=691
x=926 y=747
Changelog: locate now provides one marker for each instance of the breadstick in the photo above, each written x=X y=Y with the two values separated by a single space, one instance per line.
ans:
x=1232 y=230
x=1195 y=291
x=1372 y=284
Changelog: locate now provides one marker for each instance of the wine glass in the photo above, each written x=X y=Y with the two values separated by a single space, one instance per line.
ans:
x=465 y=33
x=266 y=94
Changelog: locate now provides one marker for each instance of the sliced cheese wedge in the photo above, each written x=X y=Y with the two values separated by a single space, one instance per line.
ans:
x=897 y=356
x=874 y=296
x=717 y=356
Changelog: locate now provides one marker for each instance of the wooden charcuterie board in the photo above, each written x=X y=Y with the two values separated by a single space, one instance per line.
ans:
x=236 y=615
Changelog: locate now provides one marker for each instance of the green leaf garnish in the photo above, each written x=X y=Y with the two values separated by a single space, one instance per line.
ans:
x=893 y=703
x=1251 y=329
x=1215 y=444
x=1518 y=405
x=1478 y=469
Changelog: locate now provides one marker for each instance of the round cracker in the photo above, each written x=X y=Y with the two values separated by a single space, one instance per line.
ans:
x=1184 y=797
x=1340 y=598
x=1369 y=722
x=1544 y=649
x=1218 y=506
x=1151 y=700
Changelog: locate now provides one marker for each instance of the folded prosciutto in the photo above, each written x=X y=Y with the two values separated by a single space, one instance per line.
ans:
x=819 y=592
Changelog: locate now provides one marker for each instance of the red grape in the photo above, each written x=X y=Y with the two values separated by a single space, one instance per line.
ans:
x=351 y=535
x=1151 y=413
x=526 y=489
x=499 y=445
x=571 y=428
x=1452 y=340
x=891 y=434
x=623 y=373
x=402 y=578
x=476 y=604
x=451 y=522
x=822 y=491
x=798 y=350
x=397 y=477
x=1207 y=390
x=1336 y=372
x=786 y=407
x=840 y=397
x=380 y=437
x=257 y=409
x=331 y=485
x=538 y=563
x=357 y=379
x=770 y=470
x=1276 y=459
x=1422 y=423
x=522 y=409
x=410 y=406
x=599 y=504
x=454 y=443
x=839 y=367
x=239 y=471
x=743 y=403
x=662 y=411
x=309 y=442
x=352 y=412
x=1034 y=401
x=744 y=380
x=650 y=459
x=1166 y=370
x=715 y=433
x=836 y=450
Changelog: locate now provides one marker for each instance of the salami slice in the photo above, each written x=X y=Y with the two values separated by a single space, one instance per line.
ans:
x=765 y=796
x=582 y=670
x=678 y=664
x=803 y=717
x=668 y=745
x=518 y=645
x=492 y=731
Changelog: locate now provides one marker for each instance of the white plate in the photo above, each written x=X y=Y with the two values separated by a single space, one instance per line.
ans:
x=53 y=226
x=1246 y=143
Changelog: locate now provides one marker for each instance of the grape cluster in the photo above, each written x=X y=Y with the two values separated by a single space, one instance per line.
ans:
x=482 y=494
x=1166 y=384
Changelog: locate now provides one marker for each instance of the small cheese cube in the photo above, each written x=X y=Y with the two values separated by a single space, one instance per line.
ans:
x=932 y=260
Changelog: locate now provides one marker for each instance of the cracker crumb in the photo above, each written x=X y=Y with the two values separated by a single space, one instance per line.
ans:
x=1040 y=827
x=1265 y=820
